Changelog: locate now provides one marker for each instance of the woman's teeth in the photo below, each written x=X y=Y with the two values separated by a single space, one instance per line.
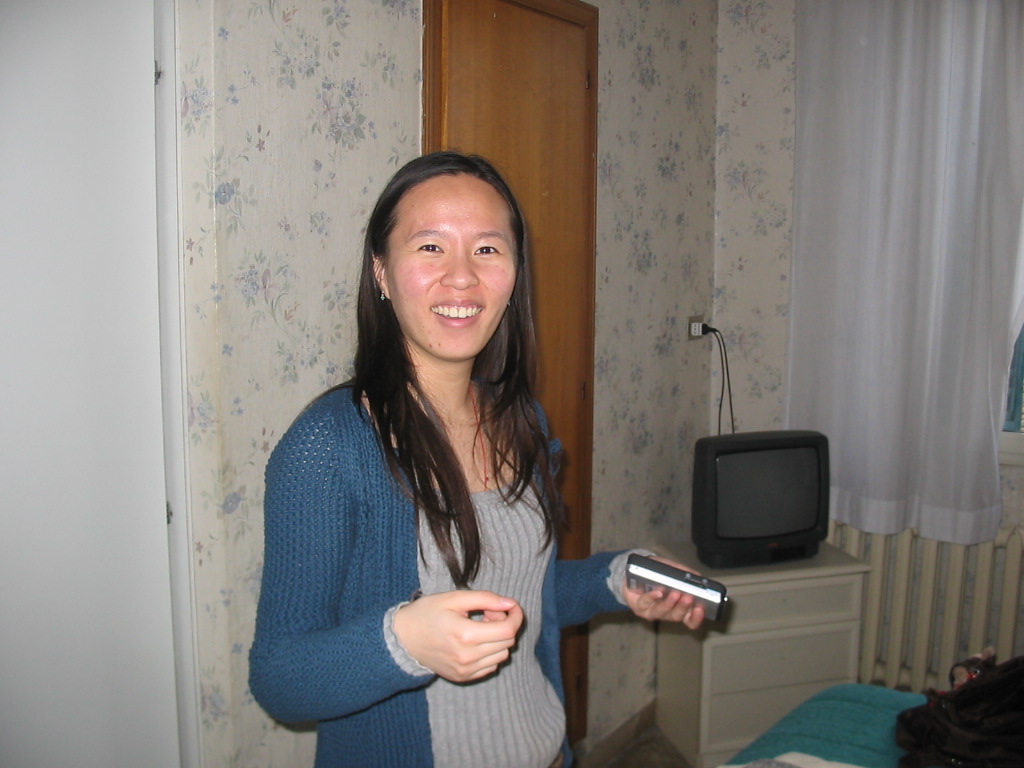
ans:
x=459 y=312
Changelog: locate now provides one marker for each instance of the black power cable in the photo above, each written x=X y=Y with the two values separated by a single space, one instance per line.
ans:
x=726 y=377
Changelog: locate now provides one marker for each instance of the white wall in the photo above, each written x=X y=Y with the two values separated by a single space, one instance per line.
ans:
x=86 y=663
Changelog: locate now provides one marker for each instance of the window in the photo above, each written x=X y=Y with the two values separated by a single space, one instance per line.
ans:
x=1015 y=392
x=1011 y=441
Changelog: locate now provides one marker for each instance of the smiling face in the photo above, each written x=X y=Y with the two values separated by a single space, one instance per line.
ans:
x=449 y=270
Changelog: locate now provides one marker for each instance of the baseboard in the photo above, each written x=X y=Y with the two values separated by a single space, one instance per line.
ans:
x=615 y=743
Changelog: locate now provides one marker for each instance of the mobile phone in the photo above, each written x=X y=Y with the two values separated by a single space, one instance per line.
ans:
x=647 y=574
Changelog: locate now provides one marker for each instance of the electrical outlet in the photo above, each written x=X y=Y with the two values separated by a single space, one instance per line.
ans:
x=694 y=327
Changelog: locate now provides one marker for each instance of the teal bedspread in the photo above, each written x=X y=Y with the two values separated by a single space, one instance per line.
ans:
x=848 y=723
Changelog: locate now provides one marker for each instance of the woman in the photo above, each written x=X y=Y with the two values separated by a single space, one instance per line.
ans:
x=411 y=601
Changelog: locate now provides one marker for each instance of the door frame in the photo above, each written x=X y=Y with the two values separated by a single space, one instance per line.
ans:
x=435 y=133
x=434 y=129
x=575 y=541
x=172 y=364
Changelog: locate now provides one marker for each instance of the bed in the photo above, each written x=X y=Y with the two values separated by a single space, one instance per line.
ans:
x=850 y=724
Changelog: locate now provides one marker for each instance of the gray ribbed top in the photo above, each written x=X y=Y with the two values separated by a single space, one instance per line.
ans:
x=514 y=717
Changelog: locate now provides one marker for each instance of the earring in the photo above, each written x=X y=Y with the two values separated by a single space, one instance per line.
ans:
x=382 y=296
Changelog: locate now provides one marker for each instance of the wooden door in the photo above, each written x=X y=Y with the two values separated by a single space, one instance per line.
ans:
x=511 y=80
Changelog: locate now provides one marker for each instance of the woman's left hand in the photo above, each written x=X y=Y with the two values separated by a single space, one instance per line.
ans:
x=665 y=604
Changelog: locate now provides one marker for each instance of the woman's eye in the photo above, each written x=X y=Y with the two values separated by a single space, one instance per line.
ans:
x=430 y=248
x=487 y=249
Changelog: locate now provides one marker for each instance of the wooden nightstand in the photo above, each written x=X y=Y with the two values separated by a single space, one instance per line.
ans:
x=792 y=629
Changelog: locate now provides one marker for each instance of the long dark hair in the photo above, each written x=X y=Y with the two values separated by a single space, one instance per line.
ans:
x=416 y=446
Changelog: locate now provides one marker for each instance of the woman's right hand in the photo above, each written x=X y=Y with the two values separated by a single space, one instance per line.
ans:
x=439 y=633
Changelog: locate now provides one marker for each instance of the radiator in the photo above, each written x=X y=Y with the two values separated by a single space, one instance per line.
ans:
x=930 y=604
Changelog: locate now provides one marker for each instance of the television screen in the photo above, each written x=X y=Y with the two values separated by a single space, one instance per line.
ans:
x=759 y=497
x=767 y=492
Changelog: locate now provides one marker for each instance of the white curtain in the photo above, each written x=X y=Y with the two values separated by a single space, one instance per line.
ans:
x=906 y=294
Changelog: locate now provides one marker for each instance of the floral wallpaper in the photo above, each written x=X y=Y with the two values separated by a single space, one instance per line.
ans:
x=292 y=116
x=695 y=186
x=655 y=268
x=756 y=121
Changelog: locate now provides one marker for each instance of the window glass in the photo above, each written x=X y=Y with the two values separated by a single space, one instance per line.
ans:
x=1015 y=392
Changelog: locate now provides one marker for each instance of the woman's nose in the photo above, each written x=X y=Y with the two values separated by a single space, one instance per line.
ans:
x=460 y=272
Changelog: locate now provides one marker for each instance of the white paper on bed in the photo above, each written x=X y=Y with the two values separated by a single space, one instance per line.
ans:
x=791 y=760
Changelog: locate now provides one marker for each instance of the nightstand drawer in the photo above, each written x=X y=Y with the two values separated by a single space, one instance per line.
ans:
x=754 y=607
x=781 y=658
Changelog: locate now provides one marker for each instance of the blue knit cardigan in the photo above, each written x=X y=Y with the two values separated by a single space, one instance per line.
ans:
x=340 y=550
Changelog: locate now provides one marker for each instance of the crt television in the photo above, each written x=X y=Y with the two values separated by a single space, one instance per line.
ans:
x=760 y=497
